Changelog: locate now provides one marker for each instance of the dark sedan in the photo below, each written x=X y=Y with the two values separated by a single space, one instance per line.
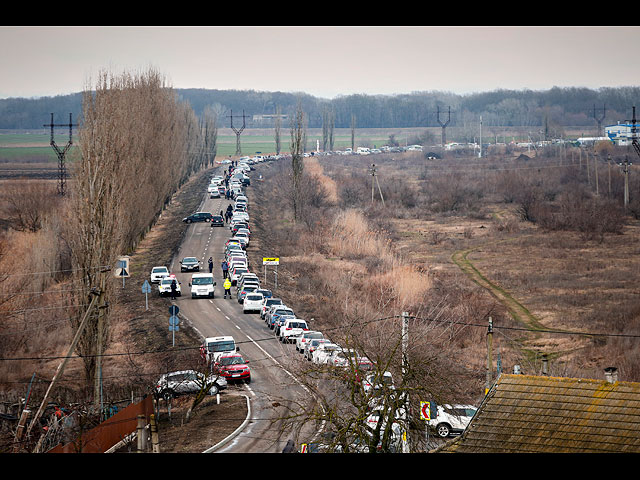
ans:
x=217 y=221
x=198 y=217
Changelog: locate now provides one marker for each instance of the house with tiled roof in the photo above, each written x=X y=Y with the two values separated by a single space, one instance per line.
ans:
x=543 y=414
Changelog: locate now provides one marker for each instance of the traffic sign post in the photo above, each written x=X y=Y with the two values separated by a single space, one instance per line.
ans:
x=425 y=414
x=122 y=270
x=146 y=289
x=271 y=261
x=173 y=326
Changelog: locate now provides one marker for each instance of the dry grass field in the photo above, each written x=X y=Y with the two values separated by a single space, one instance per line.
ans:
x=451 y=244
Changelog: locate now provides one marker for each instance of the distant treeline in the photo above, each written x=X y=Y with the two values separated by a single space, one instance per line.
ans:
x=549 y=109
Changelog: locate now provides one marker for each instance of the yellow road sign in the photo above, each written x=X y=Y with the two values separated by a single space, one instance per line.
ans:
x=425 y=410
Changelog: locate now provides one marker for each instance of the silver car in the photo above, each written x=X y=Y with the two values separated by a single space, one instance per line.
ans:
x=186 y=382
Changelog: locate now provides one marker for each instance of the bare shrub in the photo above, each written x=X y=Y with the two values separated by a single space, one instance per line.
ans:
x=27 y=203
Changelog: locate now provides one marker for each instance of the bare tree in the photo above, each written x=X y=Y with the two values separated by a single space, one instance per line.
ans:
x=297 y=149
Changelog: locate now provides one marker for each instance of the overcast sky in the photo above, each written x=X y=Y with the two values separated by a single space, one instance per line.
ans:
x=322 y=61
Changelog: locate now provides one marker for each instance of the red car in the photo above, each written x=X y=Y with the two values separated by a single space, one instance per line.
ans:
x=233 y=367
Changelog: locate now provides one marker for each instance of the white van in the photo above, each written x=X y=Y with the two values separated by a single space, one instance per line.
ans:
x=213 y=347
x=202 y=285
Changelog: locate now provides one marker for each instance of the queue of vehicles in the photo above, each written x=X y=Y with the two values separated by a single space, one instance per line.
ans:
x=222 y=355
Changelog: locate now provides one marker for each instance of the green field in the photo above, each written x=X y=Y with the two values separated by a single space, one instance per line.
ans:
x=35 y=147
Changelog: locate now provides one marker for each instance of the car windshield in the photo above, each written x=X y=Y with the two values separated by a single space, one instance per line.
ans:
x=190 y=260
x=274 y=301
x=221 y=346
x=235 y=360
x=160 y=269
x=298 y=325
x=202 y=281
x=167 y=281
x=254 y=297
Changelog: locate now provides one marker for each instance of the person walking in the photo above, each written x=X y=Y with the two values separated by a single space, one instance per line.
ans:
x=225 y=269
x=227 y=287
x=210 y=264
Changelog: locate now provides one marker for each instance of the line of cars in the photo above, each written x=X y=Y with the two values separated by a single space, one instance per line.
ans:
x=221 y=353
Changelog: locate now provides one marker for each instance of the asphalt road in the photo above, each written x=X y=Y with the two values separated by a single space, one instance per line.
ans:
x=273 y=387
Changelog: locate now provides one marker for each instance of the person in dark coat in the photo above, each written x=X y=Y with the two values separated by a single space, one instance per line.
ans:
x=210 y=264
x=174 y=289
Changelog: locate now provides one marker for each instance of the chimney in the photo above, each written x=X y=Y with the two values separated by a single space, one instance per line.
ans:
x=611 y=374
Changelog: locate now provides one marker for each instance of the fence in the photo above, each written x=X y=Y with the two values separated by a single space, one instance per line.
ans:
x=110 y=432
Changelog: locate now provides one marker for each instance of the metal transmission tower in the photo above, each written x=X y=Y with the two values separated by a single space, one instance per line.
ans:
x=62 y=168
x=238 y=131
x=444 y=126
x=634 y=133
x=600 y=119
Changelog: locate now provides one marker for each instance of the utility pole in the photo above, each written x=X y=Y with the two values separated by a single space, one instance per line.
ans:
x=62 y=364
x=599 y=119
x=102 y=306
x=374 y=177
x=489 y=373
x=443 y=125
x=625 y=170
x=238 y=131
x=405 y=369
x=62 y=169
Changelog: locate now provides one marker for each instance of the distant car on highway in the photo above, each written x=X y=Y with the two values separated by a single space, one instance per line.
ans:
x=217 y=221
x=252 y=302
x=202 y=285
x=157 y=273
x=164 y=289
x=189 y=264
x=213 y=347
x=186 y=382
x=198 y=217
x=233 y=367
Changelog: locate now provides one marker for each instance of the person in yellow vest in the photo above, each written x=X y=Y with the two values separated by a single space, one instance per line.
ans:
x=227 y=287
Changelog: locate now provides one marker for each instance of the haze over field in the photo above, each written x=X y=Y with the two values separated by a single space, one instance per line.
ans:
x=333 y=61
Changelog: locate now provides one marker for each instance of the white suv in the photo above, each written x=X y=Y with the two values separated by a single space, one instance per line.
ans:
x=292 y=329
x=452 y=419
x=252 y=302
x=158 y=273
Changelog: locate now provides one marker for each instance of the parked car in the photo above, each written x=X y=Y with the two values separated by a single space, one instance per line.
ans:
x=202 y=285
x=189 y=264
x=164 y=289
x=186 y=382
x=236 y=271
x=278 y=321
x=291 y=329
x=323 y=354
x=157 y=273
x=308 y=335
x=214 y=193
x=217 y=221
x=265 y=294
x=452 y=419
x=311 y=345
x=213 y=347
x=198 y=217
x=267 y=304
x=233 y=367
x=252 y=302
x=273 y=314
x=378 y=382
x=244 y=291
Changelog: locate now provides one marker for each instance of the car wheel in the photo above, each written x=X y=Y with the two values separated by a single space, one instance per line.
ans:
x=188 y=221
x=443 y=430
x=168 y=394
x=214 y=390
